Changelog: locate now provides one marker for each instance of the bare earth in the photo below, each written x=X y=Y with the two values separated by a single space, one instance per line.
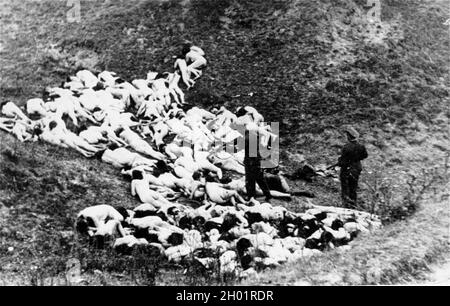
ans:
x=440 y=276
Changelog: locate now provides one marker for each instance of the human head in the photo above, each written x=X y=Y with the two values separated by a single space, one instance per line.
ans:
x=212 y=157
x=186 y=48
x=226 y=180
x=185 y=222
x=37 y=130
x=119 y=131
x=157 y=172
x=160 y=76
x=241 y=111
x=175 y=239
x=99 y=115
x=162 y=166
x=151 y=237
x=246 y=260
x=123 y=211
x=210 y=179
x=196 y=176
x=243 y=245
x=137 y=175
x=173 y=211
x=99 y=86
x=337 y=224
x=52 y=125
x=229 y=221
x=134 y=118
x=162 y=214
x=3 y=104
x=290 y=228
x=253 y=217
x=83 y=127
x=351 y=133
x=180 y=115
x=210 y=176
x=199 y=221
x=275 y=170
x=82 y=226
x=113 y=147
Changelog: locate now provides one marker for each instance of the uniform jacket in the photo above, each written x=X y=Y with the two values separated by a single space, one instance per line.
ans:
x=352 y=155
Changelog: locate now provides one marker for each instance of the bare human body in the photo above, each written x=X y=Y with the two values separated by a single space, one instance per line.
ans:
x=122 y=157
x=218 y=194
x=140 y=187
x=140 y=145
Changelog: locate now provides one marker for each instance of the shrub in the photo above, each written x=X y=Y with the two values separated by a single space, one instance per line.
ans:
x=396 y=197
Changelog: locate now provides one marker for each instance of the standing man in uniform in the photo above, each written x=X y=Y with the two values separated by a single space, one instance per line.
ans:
x=252 y=163
x=350 y=162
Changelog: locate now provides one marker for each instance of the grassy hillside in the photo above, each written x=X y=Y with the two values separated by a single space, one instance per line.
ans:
x=312 y=66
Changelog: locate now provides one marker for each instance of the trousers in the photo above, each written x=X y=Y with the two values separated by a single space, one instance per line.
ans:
x=349 y=188
x=253 y=175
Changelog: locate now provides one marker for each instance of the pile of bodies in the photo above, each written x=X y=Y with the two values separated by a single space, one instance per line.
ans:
x=167 y=149
x=236 y=239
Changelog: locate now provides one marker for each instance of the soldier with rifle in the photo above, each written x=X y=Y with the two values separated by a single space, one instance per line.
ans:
x=350 y=163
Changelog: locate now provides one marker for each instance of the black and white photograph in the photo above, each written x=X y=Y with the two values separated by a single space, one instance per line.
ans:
x=205 y=144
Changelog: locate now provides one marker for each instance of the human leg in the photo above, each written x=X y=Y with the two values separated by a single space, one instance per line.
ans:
x=7 y=124
x=174 y=95
x=353 y=189
x=180 y=94
x=344 y=188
